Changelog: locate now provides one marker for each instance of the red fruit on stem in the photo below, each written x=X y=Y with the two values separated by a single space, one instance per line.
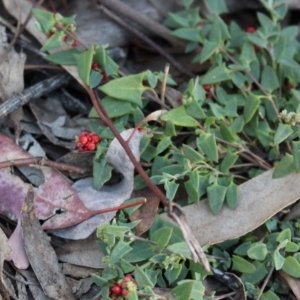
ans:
x=105 y=77
x=289 y=86
x=207 y=87
x=116 y=289
x=91 y=146
x=95 y=138
x=95 y=66
x=250 y=29
x=256 y=48
x=125 y=292
x=180 y=97
x=83 y=139
x=75 y=44
x=82 y=148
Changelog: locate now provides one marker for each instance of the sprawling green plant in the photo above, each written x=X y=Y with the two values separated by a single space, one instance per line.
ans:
x=232 y=123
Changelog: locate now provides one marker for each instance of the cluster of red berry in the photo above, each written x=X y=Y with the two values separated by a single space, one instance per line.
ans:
x=66 y=39
x=252 y=29
x=87 y=141
x=121 y=288
x=208 y=89
x=97 y=67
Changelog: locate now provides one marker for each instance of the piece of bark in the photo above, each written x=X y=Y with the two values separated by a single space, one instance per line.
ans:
x=41 y=255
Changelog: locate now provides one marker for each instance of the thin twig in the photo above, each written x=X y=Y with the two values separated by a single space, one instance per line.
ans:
x=122 y=9
x=41 y=161
x=20 y=280
x=152 y=44
x=33 y=92
x=164 y=83
x=265 y=283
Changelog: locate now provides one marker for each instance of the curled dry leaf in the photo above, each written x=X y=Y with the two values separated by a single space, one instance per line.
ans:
x=41 y=255
x=259 y=199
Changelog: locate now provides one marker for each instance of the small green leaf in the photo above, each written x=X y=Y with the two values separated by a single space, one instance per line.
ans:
x=242 y=265
x=195 y=110
x=208 y=50
x=189 y=34
x=191 y=154
x=291 y=266
x=257 y=276
x=126 y=266
x=291 y=247
x=171 y=188
x=95 y=79
x=227 y=134
x=269 y=79
x=248 y=54
x=216 y=195
x=119 y=251
x=84 y=62
x=45 y=18
x=129 y=88
x=101 y=173
x=284 y=235
x=100 y=281
x=142 y=278
x=217 y=6
x=179 y=117
x=242 y=249
x=216 y=75
x=163 y=144
x=53 y=42
x=172 y=273
x=162 y=236
x=258 y=251
x=232 y=195
x=66 y=57
x=192 y=186
x=188 y=289
x=207 y=143
x=269 y=295
x=285 y=167
x=283 y=132
x=228 y=161
x=278 y=259
x=140 y=252
x=252 y=104
x=180 y=248
x=296 y=154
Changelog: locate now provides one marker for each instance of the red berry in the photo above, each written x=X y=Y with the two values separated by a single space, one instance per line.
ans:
x=256 y=48
x=289 y=86
x=49 y=34
x=116 y=289
x=180 y=97
x=91 y=146
x=82 y=148
x=95 y=138
x=125 y=292
x=75 y=44
x=95 y=66
x=83 y=139
x=208 y=96
x=250 y=29
x=105 y=77
x=207 y=87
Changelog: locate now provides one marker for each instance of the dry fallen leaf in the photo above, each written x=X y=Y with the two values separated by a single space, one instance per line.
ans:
x=294 y=283
x=41 y=255
x=259 y=199
x=5 y=249
x=147 y=212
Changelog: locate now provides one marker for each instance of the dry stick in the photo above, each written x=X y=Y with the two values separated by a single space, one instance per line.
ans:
x=265 y=283
x=174 y=210
x=152 y=44
x=126 y=11
x=33 y=92
x=41 y=161
x=164 y=83
x=18 y=33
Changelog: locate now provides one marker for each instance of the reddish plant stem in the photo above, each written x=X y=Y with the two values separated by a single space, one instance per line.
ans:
x=41 y=161
x=103 y=115
x=120 y=207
